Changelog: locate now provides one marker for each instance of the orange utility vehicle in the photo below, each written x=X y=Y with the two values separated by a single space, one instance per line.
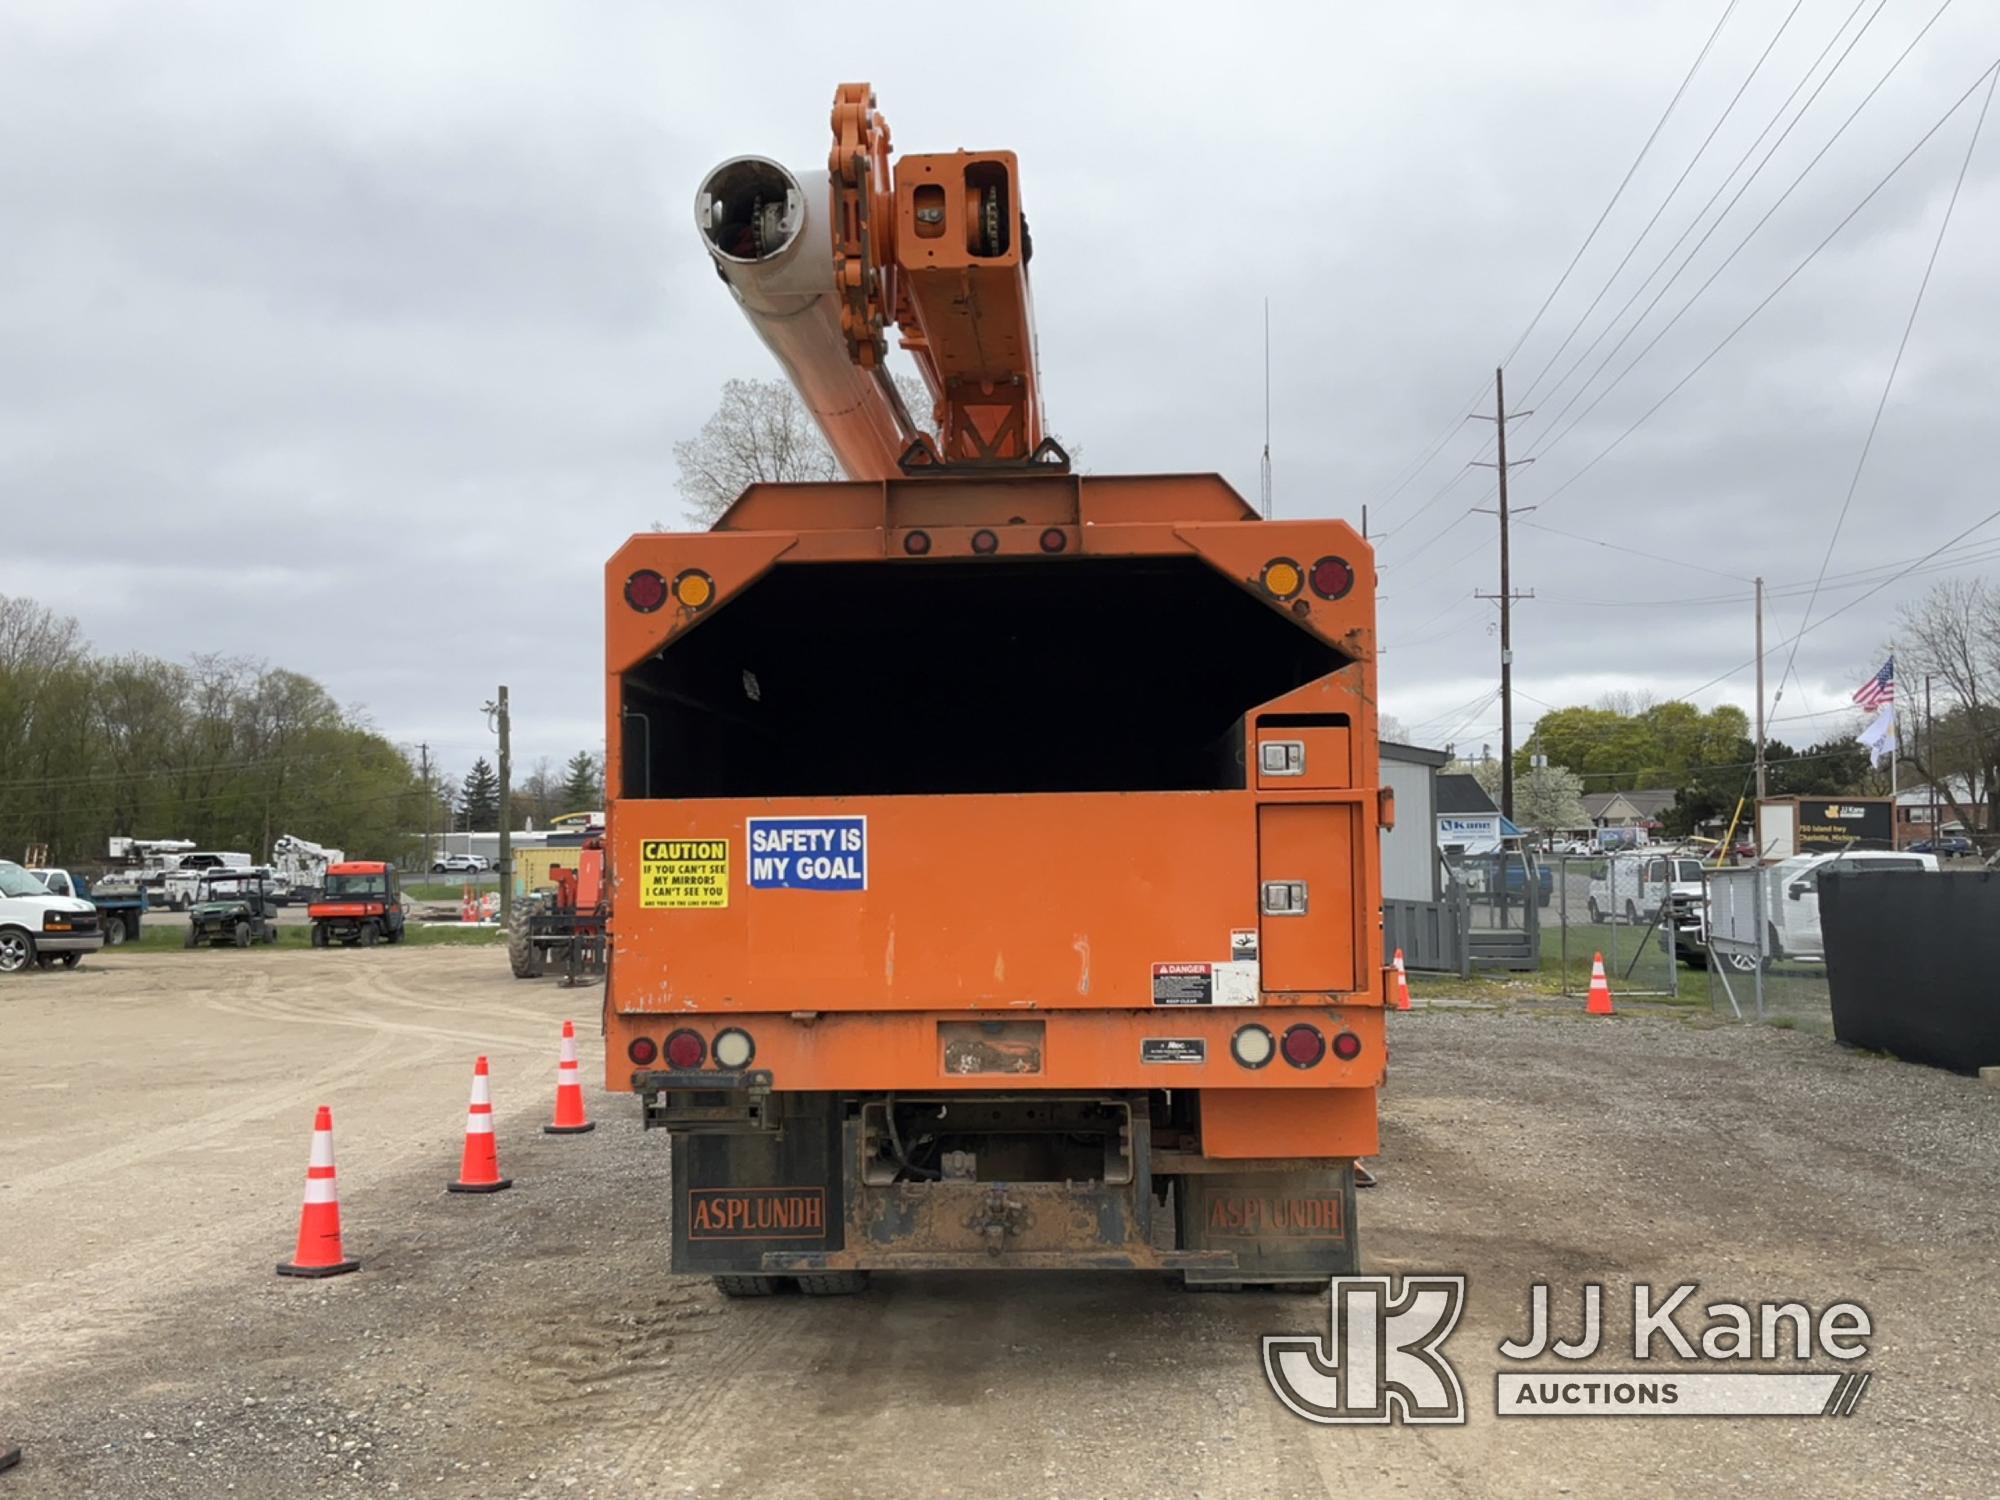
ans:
x=360 y=902
x=994 y=847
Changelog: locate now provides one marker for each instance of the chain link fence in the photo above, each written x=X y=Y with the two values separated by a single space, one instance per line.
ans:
x=1625 y=906
x=1767 y=953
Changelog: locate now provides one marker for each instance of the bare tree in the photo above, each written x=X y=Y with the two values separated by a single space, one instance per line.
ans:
x=762 y=434
x=1952 y=635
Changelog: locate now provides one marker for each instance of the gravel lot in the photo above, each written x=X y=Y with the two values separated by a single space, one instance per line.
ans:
x=153 y=1119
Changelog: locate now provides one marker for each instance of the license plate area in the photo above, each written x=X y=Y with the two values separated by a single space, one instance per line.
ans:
x=1002 y=1049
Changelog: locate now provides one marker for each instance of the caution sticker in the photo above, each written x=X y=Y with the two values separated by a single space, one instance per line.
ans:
x=684 y=872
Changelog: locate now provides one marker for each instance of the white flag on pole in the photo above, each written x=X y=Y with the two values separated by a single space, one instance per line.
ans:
x=1879 y=738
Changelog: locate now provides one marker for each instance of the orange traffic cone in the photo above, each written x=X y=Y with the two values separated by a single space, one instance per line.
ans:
x=468 y=907
x=479 y=1168
x=1402 y=996
x=570 y=1119
x=1600 y=989
x=319 y=1252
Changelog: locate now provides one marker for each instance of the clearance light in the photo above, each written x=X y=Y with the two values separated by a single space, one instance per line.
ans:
x=645 y=591
x=1332 y=577
x=642 y=1050
x=1055 y=539
x=686 y=1050
x=1282 y=578
x=733 y=1049
x=917 y=543
x=985 y=543
x=1303 y=1046
x=1347 y=1046
x=1252 y=1046
x=694 y=588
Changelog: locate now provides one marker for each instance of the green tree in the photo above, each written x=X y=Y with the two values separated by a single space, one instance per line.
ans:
x=479 y=798
x=583 y=788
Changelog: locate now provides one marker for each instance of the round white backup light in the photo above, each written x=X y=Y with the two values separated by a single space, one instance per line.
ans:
x=733 y=1049
x=1252 y=1046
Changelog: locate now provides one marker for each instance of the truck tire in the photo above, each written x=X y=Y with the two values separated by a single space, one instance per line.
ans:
x=370 y=934
x=17 y=950
x=114 y=930
x=746 y=1286
x=71 y=960
x=318 y=936
x=523 y=957
x=189 y=938
x=1596 y=912
x=834 y=1283
x=240 y=934
x=1631 y=914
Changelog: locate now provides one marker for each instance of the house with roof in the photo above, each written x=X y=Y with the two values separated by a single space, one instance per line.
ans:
x=1630 y=816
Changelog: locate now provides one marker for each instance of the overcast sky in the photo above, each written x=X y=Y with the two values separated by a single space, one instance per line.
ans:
x=358 y=340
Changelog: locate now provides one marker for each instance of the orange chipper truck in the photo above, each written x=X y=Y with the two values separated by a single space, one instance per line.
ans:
x=994 y=848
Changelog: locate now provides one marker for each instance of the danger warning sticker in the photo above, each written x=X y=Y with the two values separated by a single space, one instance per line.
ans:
x=684 y=872
x=1183 y=984
x=1231 y=983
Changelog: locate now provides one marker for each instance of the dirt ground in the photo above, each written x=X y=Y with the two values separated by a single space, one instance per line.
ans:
x=154 y=1110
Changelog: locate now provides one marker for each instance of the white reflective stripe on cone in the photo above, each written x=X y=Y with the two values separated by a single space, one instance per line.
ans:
x=482 y=1092
x=568 y=1052
x=322 y=1149
x=479 y=1124
x=321 y=1190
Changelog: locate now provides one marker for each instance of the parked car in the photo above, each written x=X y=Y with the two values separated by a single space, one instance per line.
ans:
x=1950 y=846
x=446 y=864
x=39 y=927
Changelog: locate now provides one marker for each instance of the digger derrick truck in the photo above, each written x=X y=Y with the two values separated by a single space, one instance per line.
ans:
x=994 y=847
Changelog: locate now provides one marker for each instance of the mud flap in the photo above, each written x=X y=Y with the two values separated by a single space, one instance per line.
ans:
x=739 y=1195
x=1282 y=1226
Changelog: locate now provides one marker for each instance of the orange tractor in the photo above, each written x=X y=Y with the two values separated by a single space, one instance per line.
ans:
x=994 y=847
x=562 y=927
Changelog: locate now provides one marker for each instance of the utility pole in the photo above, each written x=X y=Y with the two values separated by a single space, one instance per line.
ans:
x=496 y=713
x=430 y=808
x=1931 y=763
x=1760 y=692
x=1500 y=418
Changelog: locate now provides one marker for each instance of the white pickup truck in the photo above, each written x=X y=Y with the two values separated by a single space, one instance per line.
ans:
x=40 y=927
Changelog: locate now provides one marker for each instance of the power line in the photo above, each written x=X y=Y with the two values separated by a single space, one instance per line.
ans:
x=1987 y=520
x=1896 y=364
x=1457 y=424
x=1755 y=68
x=1674 y=562
x=1700 y=213
x=1860 y=578
x=1771 y=296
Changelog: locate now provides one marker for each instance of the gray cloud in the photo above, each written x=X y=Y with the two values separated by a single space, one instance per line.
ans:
x=358 y=340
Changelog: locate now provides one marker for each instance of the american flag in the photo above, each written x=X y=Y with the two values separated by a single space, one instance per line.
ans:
x=1879 y=689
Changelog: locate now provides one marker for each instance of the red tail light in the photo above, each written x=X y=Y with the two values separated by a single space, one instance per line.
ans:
x=985 y=543
x=917 y=543
x=1303 y=1046
x=1346 y=1046
x=645 y=591
x=1054 y=539
x=642 y=1050
x=686 y=1050
x=1332 y=577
